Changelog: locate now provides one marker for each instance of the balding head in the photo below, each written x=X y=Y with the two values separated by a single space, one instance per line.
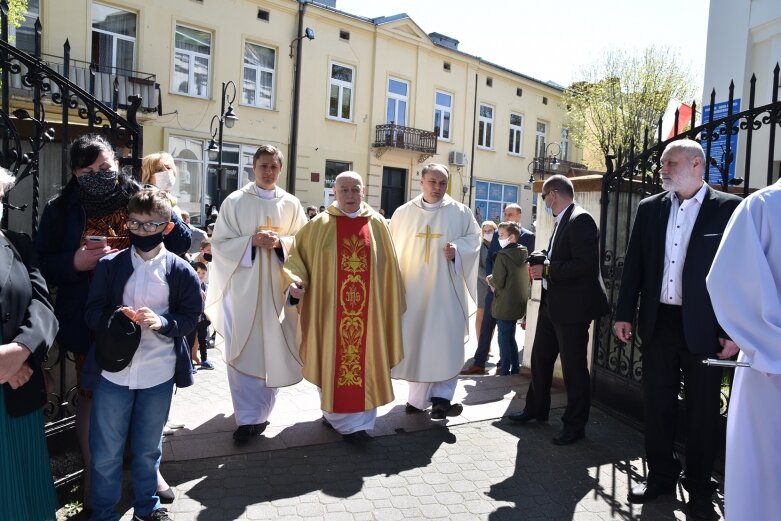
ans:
x=348 y=190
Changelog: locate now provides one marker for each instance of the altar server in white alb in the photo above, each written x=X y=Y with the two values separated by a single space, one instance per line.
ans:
x=246 y=297
x=745 y=288
x=438 y=244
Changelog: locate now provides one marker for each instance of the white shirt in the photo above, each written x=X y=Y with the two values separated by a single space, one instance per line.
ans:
x=557 y=221
x=155 y=360
x=683 y=214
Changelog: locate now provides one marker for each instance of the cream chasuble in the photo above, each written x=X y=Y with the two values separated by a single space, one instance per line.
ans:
x=440 y=293
x=262 y=331
x=351 y=311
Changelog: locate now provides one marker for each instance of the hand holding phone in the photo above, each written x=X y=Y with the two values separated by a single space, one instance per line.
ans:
x=94 y=242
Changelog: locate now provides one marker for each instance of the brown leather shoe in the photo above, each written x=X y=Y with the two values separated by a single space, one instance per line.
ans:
x=473 y=369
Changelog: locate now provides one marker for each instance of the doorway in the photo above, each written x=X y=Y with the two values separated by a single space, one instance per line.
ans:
x=394 y=189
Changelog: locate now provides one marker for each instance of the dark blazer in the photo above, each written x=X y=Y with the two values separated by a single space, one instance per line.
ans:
x=526 y=239
x=27 y=317
x=644 y=268
x=575 y=292
x=59 y=236
x=185 y=304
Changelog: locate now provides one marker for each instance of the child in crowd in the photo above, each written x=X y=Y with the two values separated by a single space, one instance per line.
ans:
x=201 y=334
x=162 y=294
x=510 y=284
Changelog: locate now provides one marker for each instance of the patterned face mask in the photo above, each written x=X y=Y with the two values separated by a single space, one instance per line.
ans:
x=98 y=183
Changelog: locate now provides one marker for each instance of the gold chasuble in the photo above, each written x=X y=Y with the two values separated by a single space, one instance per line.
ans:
x=351 y=311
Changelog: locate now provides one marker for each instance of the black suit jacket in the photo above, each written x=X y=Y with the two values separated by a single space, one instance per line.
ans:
x=644 y=268
x=575 y=291
x=27 y=317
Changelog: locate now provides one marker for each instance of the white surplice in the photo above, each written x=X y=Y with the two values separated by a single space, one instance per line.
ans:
x=440 y=292
x=745 y=288
x=245 y=300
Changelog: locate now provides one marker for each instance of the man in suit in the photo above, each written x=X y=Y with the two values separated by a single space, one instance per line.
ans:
x=674 y=239
x=512 y=212
x=572 y=296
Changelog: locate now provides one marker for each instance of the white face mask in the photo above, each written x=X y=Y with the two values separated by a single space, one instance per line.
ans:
x=2 y=207
x=488 y=236
x=164 y=180
x=504 y=242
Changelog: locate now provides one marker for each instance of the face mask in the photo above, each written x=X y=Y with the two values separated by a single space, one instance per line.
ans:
x=98 y=183
x=145 y=242
x=549 y=210
x=207 y=257
x=164 y=180
x=488 y=236
x=2 y=207
x=504 y=242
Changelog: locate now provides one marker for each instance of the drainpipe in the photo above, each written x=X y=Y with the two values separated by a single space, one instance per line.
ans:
x=291 y=172
x=472 y=159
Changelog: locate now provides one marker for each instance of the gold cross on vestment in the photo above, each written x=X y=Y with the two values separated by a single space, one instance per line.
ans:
x=269 y=226
x=427 y=236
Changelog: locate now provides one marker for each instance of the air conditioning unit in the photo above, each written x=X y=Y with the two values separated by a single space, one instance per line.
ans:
x=457 y=158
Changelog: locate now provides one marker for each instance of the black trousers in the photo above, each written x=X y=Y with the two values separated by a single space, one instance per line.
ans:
x=665 y=360
x=570 y=341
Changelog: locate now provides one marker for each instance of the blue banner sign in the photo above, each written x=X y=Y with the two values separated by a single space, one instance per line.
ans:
x=718 y=147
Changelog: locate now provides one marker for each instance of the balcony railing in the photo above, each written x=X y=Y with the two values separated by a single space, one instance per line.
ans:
x=98 y=81
x=406 y=138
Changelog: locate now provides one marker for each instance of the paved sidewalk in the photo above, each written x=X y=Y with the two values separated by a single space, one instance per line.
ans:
x=478 y=466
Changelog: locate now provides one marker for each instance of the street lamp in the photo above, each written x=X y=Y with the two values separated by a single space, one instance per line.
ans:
x=309 y=33
x=545 y=163
x=225 y=118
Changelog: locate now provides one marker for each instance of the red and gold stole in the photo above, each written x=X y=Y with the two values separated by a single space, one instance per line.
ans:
x=353 y=279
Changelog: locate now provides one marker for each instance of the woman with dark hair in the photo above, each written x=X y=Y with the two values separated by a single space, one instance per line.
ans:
x=85 y=222
x=27 y=333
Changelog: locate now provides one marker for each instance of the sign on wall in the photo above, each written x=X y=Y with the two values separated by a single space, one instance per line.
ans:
x=718 y=148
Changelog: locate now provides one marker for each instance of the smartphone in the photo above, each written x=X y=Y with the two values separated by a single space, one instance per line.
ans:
x=93 y=242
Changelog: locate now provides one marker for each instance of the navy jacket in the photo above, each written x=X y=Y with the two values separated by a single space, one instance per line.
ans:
x=185 y=304
x=56 y=244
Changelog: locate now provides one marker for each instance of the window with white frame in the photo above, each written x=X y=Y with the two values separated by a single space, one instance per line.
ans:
x=258 y=82
x=564 y=155
x=485 y=127
x=443 y=114
x=398 y=91
x=23 y=37
x=491 y=198
x=113 y=39
x=539 y=140
x=192 y=61
x=516 y=133
x=340 y=102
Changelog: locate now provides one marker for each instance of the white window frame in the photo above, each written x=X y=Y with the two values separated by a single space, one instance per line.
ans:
x=540 y=139
x=564 y=154
x=191 y=61
x=443 y=110
x=116 y=36
x=485 y=128
x=396 y=98
x=260 y=101
x=341 y=85
x=516 y=136
x=27 y=26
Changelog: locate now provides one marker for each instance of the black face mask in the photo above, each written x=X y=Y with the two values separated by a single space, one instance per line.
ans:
x=207 y=257
x=145 y=242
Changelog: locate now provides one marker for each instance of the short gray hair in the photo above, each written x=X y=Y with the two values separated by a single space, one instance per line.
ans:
x=688 y=146
x=7 y=180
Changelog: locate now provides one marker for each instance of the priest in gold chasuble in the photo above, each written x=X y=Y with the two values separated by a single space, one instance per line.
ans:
x=438 y=243
x=343 y=269
x=245 y=300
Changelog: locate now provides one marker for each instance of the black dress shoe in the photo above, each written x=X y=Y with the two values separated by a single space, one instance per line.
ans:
x=246 y=432
x=357 y=437
x=701 y=508
x=524 y=417
x=569 y=437
x=644 y=492
x=411 y=409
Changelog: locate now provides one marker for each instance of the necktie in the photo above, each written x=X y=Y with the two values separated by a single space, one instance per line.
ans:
x=552 y=235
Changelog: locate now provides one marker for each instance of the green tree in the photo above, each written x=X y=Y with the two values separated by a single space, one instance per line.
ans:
x=620 y=95
x=16 y=12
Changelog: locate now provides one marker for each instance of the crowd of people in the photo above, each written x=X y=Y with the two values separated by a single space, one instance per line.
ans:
x=350 y=300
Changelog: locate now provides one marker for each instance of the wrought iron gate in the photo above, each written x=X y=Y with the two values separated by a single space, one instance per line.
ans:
x=617 y=367
x=33 y=84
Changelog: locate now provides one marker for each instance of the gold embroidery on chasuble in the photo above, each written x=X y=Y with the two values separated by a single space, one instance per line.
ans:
x=352 y=298
x=427 y=235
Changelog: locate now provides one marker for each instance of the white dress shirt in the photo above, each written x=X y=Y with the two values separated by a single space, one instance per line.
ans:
x=683 y=214
x=155 y=360
x=557 y=222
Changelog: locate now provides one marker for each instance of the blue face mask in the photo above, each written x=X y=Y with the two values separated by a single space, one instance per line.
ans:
x=548 y=210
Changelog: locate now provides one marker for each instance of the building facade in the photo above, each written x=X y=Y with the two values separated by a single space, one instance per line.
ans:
x=378 y=96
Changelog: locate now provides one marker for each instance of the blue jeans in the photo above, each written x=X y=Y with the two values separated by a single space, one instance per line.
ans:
x=486 y=332
x=508 y=347
x=118 y=411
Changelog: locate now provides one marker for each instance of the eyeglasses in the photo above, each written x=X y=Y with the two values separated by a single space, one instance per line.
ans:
x=149 y=226
x=546 y=195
